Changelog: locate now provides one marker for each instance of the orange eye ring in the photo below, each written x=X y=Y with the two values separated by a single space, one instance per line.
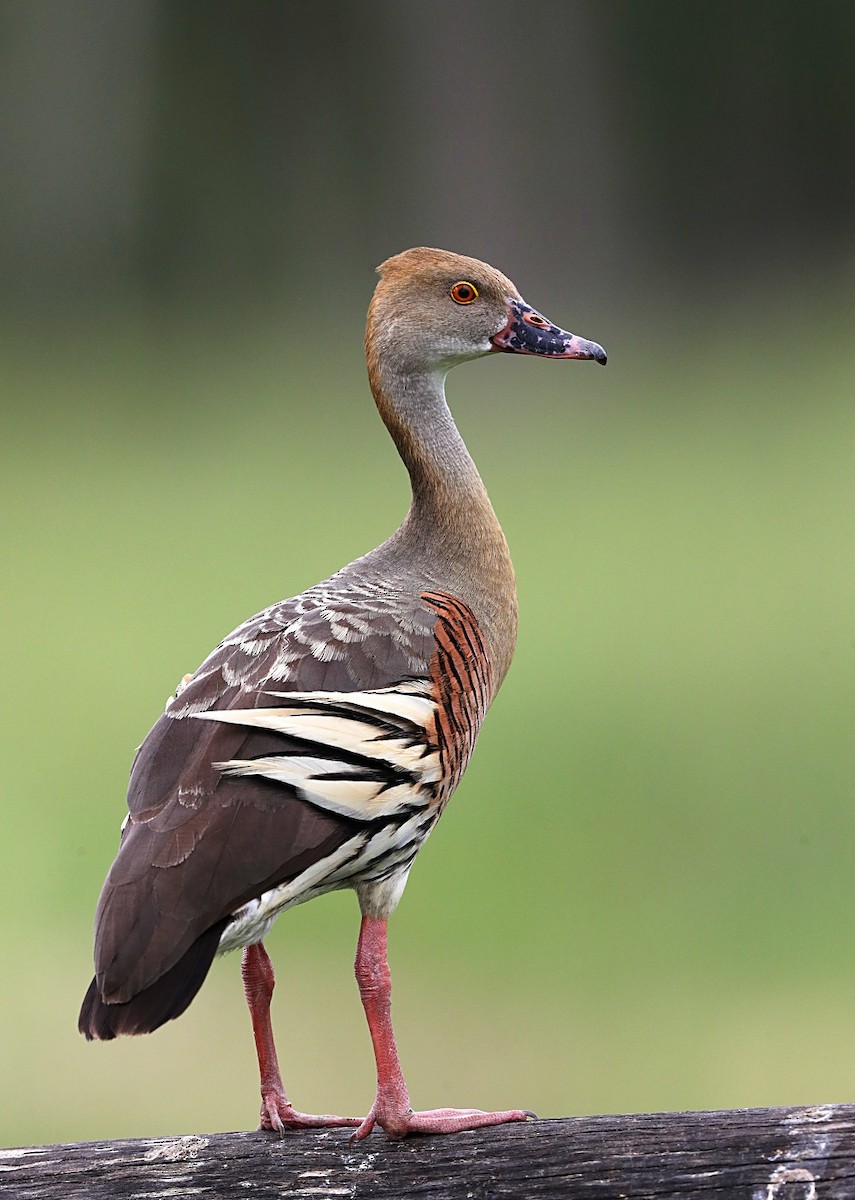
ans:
x=464 y=292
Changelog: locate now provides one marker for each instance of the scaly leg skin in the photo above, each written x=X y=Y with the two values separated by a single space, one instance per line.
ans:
x=391 y=1109
x=277 y=1113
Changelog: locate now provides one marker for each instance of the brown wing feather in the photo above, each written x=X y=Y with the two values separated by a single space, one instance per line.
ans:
x=199 y=844
x=165 y=999
x=189 y=865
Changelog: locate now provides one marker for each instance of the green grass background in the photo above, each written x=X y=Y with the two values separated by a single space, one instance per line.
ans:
x=642 y=895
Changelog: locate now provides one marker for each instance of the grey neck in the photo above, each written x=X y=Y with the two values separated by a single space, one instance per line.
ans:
x=448 y=492
x=451 y=538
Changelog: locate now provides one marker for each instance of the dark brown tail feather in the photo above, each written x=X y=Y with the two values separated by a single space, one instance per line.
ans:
x=164 y=1000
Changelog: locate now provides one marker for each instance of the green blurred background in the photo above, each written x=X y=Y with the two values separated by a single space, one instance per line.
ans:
x=641 y=897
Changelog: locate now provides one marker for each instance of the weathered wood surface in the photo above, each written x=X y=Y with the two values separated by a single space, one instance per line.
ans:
x=751 y=1154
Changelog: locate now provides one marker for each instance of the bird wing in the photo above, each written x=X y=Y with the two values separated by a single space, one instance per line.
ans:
x=317 y=722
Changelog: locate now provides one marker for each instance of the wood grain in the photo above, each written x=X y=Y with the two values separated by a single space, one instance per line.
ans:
x=751 y=1154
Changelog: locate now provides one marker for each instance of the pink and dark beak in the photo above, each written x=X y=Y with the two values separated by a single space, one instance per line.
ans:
x=527 y=332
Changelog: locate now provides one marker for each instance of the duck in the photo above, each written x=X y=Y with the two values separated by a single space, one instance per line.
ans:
x=317 y=746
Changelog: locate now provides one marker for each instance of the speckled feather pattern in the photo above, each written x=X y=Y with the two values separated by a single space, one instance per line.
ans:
x=260 y=811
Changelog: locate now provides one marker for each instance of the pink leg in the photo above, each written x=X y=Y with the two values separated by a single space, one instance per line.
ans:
x=391 y=1109
x=276 y=1110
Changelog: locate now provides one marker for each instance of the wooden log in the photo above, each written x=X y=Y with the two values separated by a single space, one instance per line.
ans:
x=750 y=1154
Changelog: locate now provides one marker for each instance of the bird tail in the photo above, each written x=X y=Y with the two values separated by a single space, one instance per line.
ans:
x=162 y=1001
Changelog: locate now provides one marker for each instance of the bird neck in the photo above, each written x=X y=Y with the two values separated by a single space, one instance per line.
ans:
x=451 y=533
x=445 y=481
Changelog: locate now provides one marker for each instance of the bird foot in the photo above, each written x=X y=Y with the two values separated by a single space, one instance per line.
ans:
x=398 y=1122
x=278 y=1114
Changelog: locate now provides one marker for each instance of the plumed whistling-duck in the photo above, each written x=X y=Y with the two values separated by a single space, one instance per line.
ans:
x=317 y=746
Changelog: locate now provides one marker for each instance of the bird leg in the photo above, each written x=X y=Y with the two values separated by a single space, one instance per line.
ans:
x=276 y=1110
x=391 y=1109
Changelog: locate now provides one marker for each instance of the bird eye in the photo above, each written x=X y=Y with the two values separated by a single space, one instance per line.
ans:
x=463 y=292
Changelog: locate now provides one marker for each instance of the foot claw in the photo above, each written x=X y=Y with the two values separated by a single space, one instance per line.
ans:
x=362 y=1132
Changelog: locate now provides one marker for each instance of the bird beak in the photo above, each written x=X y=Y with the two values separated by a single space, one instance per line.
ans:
x=527 y=332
